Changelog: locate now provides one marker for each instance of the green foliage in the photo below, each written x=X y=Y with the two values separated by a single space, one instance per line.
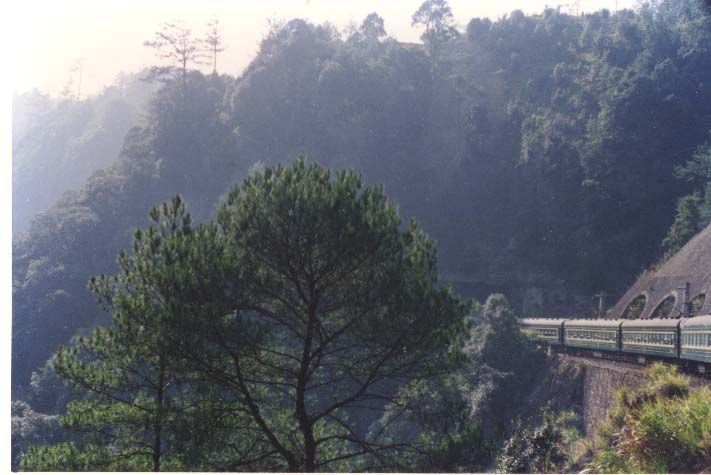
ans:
x=540 y=135
x=132 y=383
x=257 y=342
x=30 y=427
x=61 y=143
x=335 y=299
x=503 y=362
x=662 y=426
x=456 y=421
x=81 y=235
x=543 y=449
x=697 y=172
x=436 y=17
x=535 y=149
x=438 y=426
x=685 y=226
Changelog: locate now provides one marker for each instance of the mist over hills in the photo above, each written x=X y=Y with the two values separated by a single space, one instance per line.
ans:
x=538 y=151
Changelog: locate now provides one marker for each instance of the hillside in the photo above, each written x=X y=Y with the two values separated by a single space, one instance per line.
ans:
x=59 y=143
x=538 y=152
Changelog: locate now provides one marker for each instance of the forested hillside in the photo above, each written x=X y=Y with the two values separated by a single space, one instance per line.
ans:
x=59 y=143
x=544 y=154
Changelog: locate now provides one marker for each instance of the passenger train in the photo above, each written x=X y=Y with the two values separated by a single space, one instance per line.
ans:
x=687 y=340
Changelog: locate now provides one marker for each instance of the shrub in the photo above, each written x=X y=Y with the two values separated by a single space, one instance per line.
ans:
x=662 y=426
x=543 y=449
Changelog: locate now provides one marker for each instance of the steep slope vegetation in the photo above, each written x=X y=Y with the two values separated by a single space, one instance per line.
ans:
x=58 y=144
x=537 y=150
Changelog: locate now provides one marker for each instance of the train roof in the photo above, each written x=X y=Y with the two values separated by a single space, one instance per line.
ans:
x=542 y=321
x=593 y=322
x=701 y=321
x=651 y=322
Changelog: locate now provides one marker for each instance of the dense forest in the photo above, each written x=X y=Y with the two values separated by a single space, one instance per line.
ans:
x=548 y=156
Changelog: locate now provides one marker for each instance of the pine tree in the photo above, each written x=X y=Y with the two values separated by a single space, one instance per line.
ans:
x=132 y=381
x=333 y=309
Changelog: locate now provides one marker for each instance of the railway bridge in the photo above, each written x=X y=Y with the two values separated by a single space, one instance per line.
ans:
x=602 y=378
x=665 y=315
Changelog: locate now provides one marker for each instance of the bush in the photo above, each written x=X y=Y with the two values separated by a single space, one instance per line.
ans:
x=662 y=426
x=543 y=449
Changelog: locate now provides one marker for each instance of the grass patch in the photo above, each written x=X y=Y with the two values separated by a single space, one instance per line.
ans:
x=662 y=426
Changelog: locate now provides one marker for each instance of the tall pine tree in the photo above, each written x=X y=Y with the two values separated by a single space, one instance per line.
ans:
x=134 y=390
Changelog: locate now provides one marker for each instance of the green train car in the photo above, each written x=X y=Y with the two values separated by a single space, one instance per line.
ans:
x=696 y=339
x=686 y=338
x=600 y=334
x=656 y=336
x=548 y=329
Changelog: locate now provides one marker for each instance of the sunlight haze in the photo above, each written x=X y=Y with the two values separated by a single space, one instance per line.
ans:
x=108 y=35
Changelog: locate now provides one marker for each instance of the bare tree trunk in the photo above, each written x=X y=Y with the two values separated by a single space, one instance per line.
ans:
x=158 y=426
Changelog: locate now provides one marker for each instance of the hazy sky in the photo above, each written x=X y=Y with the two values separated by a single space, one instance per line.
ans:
x=50 y=35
